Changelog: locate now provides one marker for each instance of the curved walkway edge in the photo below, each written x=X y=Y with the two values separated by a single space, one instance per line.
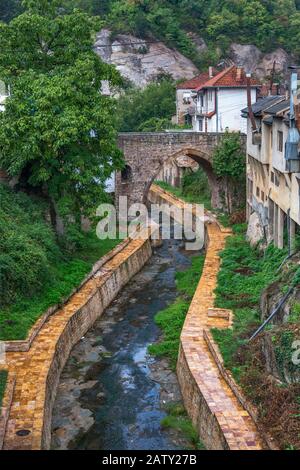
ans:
x=215 y=410
x=37 y=371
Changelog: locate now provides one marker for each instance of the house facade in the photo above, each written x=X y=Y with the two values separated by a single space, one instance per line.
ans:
x=220 y=99
x=185 y=95
x=273 y=179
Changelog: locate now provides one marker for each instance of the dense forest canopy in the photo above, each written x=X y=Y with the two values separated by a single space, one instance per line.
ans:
x=265 y=23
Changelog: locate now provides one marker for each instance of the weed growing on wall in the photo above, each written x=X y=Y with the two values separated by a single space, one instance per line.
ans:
x=244 y=273
x=3 y=378
x=171 y=319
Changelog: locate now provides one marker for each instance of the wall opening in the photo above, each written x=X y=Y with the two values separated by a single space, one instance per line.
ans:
x=126 y=174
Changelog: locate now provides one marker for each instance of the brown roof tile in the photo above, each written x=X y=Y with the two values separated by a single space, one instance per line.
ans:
x=230 y=77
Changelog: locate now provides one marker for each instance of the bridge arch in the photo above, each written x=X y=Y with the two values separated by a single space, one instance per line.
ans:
x=146 y=153
x=204 y=161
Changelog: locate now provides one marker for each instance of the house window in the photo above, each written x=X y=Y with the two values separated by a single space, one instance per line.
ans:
x=186 y=98
x=210 y=95
x=277 y=182
x=257 y=191
x=280 y=141
x=262 y=196
x=200 y=121
x=272 y=177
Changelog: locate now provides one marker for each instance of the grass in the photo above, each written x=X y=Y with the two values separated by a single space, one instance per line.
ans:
x=3 y=378
x=244 y=273
x=171 y=319
x=185 y=195
x=195 y=190
x=17 y=319
x=178 y=419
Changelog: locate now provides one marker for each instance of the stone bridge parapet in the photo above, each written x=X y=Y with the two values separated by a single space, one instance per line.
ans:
x=145 y=154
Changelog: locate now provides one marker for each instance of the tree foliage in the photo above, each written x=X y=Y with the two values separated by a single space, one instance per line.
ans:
x=266 y=23
x=57 y=133
x=229 y=165
x=150 y=109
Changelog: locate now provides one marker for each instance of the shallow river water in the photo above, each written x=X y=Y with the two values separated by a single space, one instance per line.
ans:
x=112 y=393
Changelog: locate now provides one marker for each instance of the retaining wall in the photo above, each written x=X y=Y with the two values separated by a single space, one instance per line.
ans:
x=37 y=371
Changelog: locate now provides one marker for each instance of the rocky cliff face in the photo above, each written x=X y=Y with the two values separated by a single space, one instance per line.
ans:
x=141 y=62
x=254 y=61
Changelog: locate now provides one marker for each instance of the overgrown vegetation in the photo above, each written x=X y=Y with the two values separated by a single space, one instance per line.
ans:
x=148 y=110
x=263 y=367
x=267 y=24
x=58 y=143
x=194 y=188
x=229 y=164
x=171 y=319
x=57 y=132
x=244 y=273
x=178 y=419
x=3 y=378
x=37 y=269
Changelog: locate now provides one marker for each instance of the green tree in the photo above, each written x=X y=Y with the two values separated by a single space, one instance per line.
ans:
x=9 y=9
x=57 y=133
x=229 y=163
x=150 y=109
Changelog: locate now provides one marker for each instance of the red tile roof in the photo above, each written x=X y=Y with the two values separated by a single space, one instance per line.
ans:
x=194 y=82
x=230 y=77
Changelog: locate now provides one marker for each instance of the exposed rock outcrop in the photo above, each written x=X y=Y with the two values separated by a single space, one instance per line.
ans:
x=254 y=61
x=198 y=41
x=140 y=61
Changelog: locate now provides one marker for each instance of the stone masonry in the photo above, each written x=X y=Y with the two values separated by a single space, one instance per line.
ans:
x=146 y=153
x=215 y=410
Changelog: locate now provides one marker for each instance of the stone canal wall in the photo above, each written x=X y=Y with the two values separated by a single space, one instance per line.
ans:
x=37 y=370
x=216 y=411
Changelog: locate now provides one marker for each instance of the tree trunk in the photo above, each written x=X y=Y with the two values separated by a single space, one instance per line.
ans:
x=56 y=221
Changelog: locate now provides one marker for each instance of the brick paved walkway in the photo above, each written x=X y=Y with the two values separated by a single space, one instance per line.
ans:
x=236 y=424
x=31 y=368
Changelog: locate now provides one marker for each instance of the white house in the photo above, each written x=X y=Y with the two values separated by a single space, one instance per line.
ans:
x=185 y=94
x=219 y=101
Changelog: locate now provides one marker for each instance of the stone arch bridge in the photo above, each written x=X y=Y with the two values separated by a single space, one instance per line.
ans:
x=146 y=153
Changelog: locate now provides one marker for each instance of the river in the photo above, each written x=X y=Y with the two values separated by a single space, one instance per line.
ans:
x=112 y=394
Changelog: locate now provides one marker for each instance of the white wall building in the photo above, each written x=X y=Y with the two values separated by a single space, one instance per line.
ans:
x=273 y=181
x=220 y=99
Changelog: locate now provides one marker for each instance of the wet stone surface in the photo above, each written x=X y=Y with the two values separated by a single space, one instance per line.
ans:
x=112 y=393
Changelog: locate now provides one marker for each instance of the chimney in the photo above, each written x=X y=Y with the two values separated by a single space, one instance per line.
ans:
x=210 y=72
x=275 y=89
x=239 y=72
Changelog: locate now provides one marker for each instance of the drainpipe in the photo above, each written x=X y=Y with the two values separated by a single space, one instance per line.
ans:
x=217 y=109
x=249 y=103
x=289 y=231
